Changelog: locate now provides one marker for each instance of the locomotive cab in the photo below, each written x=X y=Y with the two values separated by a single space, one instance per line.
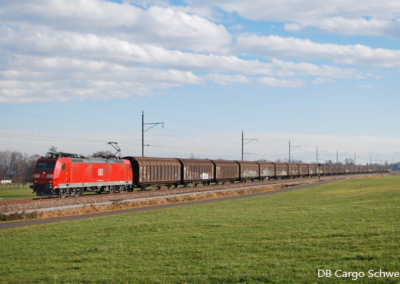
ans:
x=43 y=177
x=47 y=174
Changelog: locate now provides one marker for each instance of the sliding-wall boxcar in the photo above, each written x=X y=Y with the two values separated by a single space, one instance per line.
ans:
x=293 y=170
x=226 y=170
x=267 y=170
x=155 y=171
x=337 y=169
x=312 y=168
x=281 y=170
x=326 y=169
x=197 y=171
x=249 y=170
x=303 y=170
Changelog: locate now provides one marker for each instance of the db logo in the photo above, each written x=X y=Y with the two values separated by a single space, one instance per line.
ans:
x=324 y=273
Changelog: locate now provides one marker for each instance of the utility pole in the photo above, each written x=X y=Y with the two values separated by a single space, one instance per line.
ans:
x=242 y=144
x=354 y=158
x=248 y=141
x=337 y=156
x=153 y=124
x=292 y=147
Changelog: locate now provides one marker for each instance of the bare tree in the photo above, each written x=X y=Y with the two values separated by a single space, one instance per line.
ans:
x=53 y=149
x=17 y=166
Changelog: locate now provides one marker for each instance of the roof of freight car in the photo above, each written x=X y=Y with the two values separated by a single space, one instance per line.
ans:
x=154 y=161
x=197 y=162
x=280 y=164
x=248 y=162
x=221 y=162
x=265 y=163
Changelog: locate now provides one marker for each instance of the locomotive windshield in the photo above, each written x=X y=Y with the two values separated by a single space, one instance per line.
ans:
x=45 y=166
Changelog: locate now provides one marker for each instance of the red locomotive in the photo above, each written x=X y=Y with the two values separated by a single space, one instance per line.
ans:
x=65 y=174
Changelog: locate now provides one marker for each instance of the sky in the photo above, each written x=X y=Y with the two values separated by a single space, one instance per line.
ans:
x=78 y=74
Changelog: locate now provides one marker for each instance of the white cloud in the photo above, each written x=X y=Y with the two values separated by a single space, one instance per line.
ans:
x=126 y=53
x=164 y=26
x=321 y=81
x=237 y=27
x=99 y=49
x=224 y=79
x=272 y=82
x=350 y=17
x=365 y=86
x=72 y=79
x=360 y=26
x=289 y=47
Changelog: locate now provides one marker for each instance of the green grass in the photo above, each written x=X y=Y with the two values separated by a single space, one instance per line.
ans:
x=15 y=191
x=350 y=225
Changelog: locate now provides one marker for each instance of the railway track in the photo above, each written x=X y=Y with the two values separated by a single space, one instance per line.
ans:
x=34 y=204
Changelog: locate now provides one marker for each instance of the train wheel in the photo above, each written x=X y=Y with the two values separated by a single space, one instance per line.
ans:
x=77 y=192
x=63 y=193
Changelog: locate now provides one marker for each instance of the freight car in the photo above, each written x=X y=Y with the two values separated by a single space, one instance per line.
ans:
x=199 y=171
x=65 y=174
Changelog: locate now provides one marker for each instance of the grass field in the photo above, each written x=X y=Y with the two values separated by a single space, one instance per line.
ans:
x=350 y=225
x=15 y=191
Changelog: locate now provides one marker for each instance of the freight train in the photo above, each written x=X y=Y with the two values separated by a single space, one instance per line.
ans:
x=64 y=174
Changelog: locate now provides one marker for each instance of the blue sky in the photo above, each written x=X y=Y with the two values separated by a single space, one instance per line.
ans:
x=76 y=74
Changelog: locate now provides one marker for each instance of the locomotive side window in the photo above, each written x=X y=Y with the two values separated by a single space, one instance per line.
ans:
x=45 y=166
x=63 y=167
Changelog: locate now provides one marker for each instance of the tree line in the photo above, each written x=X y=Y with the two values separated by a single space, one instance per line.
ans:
x=17 y=166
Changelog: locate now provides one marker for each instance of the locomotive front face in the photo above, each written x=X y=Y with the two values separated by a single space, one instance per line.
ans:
x=43 y=177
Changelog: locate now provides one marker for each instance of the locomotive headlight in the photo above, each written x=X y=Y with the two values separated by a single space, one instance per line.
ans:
x=36 y=176
x=49 y=176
